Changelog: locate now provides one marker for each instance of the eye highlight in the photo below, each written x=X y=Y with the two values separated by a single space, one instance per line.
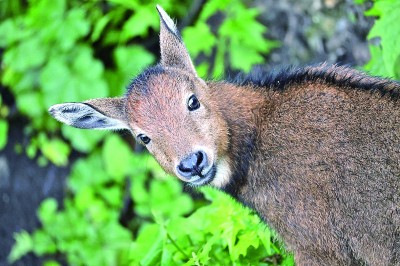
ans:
x=193 y=103
x=144 y=139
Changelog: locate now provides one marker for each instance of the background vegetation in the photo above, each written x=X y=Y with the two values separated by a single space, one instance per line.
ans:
x=121 y=208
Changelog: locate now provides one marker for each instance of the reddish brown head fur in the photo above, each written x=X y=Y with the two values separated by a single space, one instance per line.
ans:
x=157 y=106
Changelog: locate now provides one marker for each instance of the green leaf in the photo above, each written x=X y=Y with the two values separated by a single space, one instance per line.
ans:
x=132 y=59
x=198 y=39
x=151 y=241
x=47 y=211
x=74 y=27
x=88 y=172
x=116 y=156
x=99 y=27
x=30 y=103
x=51 y=263
x=82 y=140
x=3 y=133
x=23 y=245
x=56 y=150
x=26 y=55
x=140 y=22
x=388 y=12
x=54 y=77
x=10 y=32
x=43 y=243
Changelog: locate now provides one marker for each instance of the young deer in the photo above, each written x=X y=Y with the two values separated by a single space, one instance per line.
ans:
x=315 y=151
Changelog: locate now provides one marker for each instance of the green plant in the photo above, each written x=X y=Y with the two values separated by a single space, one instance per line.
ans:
x=58 y=51
x=237 y=43
x=48 y=52
x=3 y=125
x=385 y=53
x=169 y=229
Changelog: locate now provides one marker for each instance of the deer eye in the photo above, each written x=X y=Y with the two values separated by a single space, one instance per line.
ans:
x=143 y=138
x=193 y=103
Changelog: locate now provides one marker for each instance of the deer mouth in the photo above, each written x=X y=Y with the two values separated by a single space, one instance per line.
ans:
x=206 y=178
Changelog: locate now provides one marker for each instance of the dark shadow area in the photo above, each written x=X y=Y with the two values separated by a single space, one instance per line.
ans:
x=23 y=186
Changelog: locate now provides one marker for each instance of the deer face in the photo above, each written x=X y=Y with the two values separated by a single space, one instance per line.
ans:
x=168 y=109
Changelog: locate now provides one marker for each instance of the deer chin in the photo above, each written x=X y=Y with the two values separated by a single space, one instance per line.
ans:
x=223 y=173
x=204 y=179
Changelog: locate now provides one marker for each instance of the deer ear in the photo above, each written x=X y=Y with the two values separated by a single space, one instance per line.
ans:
x=104 y=113
x=173 y=50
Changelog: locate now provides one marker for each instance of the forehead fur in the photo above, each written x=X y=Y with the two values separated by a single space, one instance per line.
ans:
x=156 y=94
x=151 y=78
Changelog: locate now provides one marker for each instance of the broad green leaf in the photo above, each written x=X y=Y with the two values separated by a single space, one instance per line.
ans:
x=199 y=38
x=26 y=55
x=23 y=245
x=82 y=140
x=51 y=263
x=116 y=155
x=73 y=28
x=56 y=150
x=30 y=103
x=140 y=22
x=99 y=27
x=132 y=59
x=3 y=133
x=388 y=12
x=44 y=244
x=47 y=211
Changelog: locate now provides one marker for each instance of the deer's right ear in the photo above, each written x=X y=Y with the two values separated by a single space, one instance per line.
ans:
x=105 y=113
x=173 y=50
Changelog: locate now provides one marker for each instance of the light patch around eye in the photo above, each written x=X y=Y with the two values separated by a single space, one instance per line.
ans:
x=223 y=174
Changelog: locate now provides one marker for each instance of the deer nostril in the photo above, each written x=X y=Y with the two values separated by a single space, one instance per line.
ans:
x=193 y=164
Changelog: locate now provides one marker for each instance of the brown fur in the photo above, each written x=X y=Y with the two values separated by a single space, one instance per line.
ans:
x=326 y=173
x=315 y=151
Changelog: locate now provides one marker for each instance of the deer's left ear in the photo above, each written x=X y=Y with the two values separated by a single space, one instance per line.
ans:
x=173 y=50
x=102 y=113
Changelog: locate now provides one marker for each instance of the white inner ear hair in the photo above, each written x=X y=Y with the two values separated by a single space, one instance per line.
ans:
x=68 y=113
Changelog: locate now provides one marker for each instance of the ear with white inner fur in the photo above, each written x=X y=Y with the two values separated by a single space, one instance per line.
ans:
x=104 y=113
x=173 y=50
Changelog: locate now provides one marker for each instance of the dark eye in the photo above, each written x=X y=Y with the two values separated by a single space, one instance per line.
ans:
x=143 y=138
x=193 y=103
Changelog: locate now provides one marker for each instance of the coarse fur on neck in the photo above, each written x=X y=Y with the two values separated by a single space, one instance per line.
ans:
x=240 y=107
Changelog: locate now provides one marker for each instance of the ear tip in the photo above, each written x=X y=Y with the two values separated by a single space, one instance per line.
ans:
x=166 y=20
x=53 y=109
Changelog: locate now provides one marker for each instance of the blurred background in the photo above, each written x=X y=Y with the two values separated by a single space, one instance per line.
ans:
x=76 y=197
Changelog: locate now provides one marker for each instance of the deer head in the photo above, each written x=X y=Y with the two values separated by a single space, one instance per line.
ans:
x=168 y=109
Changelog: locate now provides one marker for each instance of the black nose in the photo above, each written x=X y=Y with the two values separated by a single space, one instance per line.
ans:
x=193 y=164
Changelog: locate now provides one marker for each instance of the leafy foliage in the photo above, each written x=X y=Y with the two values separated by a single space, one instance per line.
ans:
x=168 y=229
x=46 y=61
x=3 y=125
x=238 y=42
x=385 y=56
x=59 y=51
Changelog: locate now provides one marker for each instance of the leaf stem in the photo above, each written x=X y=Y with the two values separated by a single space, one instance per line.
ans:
x=176 y=246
